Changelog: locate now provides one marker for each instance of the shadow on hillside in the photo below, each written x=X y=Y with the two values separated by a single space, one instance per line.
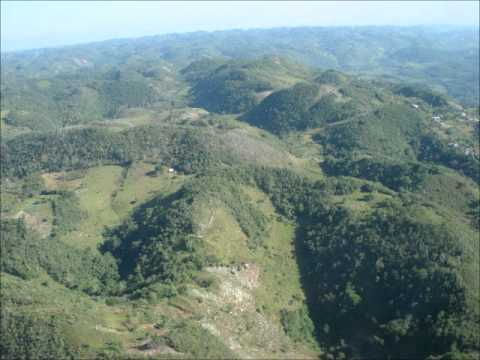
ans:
x=306 y=266
x=120 y=241
x=326 y=337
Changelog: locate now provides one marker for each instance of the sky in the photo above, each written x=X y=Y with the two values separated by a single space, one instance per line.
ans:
x=38 y=24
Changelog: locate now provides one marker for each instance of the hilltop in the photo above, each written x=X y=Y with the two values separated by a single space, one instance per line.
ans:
x=444 y=57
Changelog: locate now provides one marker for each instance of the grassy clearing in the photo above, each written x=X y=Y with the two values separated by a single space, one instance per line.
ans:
x=9 y=131
x=82 y=318
x=280 y=278
x=41 y=212
x=278 y=285
x=95 y=194
x=360 y=202
x=222 y=234
x=281 y=287
x=63 y=181
x=451 y=190
x=132 y=117
x=107 y=194
x=138 y=187
x=36 y=211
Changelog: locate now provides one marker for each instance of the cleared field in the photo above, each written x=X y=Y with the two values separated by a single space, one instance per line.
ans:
x=139 y=183
x=107 y=194
x=95 y=193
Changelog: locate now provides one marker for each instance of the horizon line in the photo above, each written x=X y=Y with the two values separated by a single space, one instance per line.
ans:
x=67 y=45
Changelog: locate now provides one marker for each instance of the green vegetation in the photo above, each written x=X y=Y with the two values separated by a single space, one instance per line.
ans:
x=160 y=243
x=436 y=151
x=298 y=325
x=28 y=337
x=193 y=151
x=32 y=185
x=75 y=149
x=230 y=91
x=115 y=94
x=395 y=175
x=360 y=265
x=235 y=87
x=188 y=337
x=27 y=256
x=330 y=110
x=390 y=131
x=313 y=213
x=423 y=93
x=446 y=58
x=161 y=250
x=67 y=212
x=332 y=99
x=372 y=262
x=55 y=102
x=284 y=110
x=186 y=149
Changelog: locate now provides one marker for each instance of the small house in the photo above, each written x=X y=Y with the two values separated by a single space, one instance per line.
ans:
x=171 y=170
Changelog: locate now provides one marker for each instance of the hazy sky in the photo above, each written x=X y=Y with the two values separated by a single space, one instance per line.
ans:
x=35 y=24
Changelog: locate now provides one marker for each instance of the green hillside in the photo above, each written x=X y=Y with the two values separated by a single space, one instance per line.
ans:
x=235 y=86
x=440 y=56
x=331 y=98
x=167 y=198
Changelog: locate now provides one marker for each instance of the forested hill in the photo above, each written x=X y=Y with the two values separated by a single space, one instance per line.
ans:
x=444 y=57
x=222 y=195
